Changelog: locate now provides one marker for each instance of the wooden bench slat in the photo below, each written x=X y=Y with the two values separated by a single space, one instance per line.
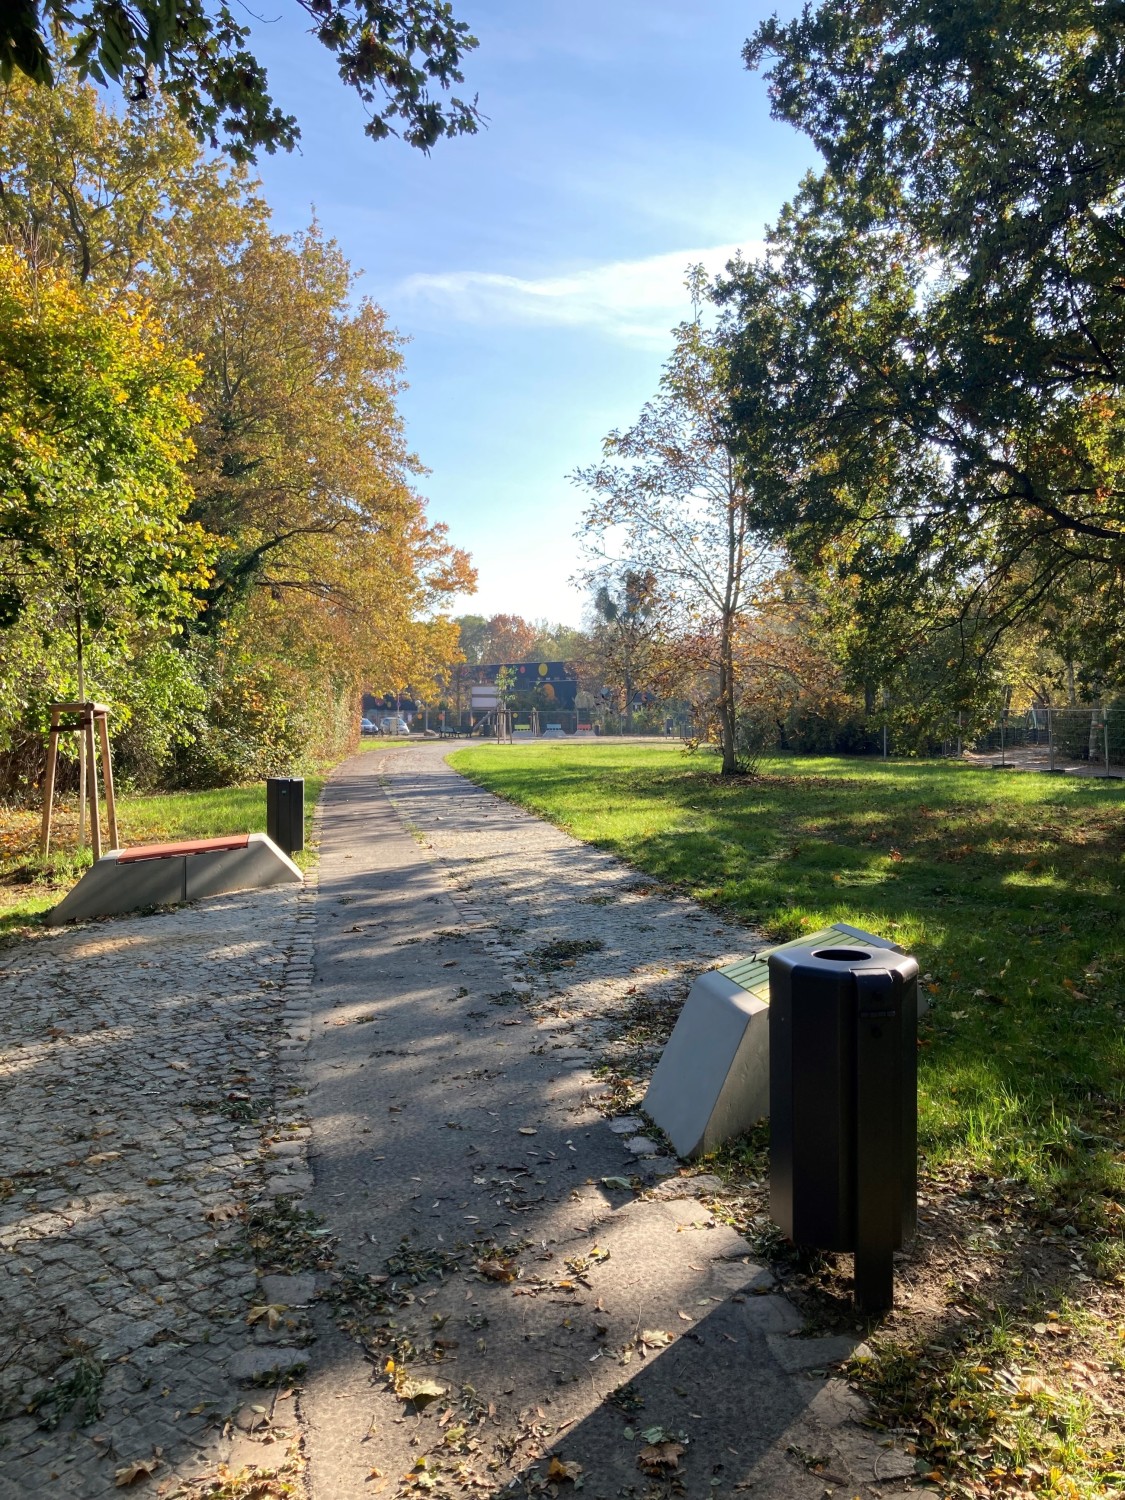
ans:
x=186 y=846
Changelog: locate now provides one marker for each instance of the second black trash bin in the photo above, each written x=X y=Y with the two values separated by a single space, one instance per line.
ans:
x=285 y=812
x=844 y=1105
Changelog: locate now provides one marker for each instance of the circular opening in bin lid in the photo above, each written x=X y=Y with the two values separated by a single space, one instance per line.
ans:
x=842 y=955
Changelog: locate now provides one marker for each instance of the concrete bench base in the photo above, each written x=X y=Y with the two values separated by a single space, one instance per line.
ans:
x=126 y=880
x=713 y=1080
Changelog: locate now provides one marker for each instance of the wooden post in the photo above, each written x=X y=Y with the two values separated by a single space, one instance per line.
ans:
x=87 y=733
x=49 y=784
x=1105 y=735
x=107 y=777
x=90 y=719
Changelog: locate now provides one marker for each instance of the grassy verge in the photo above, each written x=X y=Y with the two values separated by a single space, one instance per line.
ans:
x=1006 y=1365
x=29 y=886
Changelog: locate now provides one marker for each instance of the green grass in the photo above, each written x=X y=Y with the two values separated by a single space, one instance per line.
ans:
x=28 y=886
x=1008 y=889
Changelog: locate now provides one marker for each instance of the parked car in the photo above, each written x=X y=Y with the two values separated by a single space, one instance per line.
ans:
x=393 y=726
x=368 y=726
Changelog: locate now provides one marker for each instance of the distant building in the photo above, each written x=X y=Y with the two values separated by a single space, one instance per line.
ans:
x=560 y=676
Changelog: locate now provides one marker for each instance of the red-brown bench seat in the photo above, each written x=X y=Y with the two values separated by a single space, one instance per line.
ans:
x=185 y=846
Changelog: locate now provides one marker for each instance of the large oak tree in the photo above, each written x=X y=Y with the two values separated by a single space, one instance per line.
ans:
x=936 y=339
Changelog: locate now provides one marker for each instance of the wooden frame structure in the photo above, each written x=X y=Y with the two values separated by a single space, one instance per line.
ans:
x=85 y=719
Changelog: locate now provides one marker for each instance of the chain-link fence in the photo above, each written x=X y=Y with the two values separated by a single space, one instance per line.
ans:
x=562 y=723
x=1082 y=738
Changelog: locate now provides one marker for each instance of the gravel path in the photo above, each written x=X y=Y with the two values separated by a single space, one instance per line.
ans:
x=510 y=1308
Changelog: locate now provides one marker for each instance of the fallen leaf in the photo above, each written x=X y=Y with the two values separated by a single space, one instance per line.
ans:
x=528 y=1130
x=140 y=1468
x=617 y=1182
x=1032 y=1385
x=660 y=1458
x=421 y=1392
x=496 y=1268
x=270 y=1311
x=559 y=1470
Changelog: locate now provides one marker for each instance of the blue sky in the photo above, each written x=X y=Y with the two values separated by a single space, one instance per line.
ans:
x=537 y=267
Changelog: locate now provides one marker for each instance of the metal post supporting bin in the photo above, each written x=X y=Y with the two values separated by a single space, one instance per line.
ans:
x=285 y=812
x=844 y=1105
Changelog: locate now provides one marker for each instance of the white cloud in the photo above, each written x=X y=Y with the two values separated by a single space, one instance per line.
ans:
x=637 y=300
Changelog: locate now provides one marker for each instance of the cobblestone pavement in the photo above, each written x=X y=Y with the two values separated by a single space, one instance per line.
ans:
x=148 y=1092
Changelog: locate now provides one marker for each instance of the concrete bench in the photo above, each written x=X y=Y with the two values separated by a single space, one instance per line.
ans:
x=166 y=874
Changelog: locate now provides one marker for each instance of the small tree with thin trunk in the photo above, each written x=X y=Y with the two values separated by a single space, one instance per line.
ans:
x=626 y=607
x=670 y=505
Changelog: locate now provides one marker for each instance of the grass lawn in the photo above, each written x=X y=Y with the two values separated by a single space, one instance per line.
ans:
x=28 y=887
x=1008 y=889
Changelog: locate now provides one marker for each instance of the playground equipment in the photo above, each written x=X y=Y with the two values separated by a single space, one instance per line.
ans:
x=127 y=880
x=84 y=719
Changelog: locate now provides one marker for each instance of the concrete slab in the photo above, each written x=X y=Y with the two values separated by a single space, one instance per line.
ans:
x=121 y=882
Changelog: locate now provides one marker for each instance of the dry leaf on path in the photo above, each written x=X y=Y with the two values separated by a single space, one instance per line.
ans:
x=559 y=1469
x=419 y=1391
x=140 y=1468
x=270 y=1311
x=497 y=1268
x=654 y=1338
x=660 y=1458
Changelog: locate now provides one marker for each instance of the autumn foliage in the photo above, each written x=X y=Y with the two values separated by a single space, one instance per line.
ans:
x=206 y=485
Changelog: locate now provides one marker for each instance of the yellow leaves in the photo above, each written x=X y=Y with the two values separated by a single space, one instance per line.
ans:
x=407 y=1388
x=1031 y=1386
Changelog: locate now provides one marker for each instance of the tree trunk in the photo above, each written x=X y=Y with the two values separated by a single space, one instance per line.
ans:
x=82 y=767
x=628 y=694
x=726 y=703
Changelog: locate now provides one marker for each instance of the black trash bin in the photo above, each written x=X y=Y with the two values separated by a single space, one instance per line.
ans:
x=844 y=1105
x=285 y=812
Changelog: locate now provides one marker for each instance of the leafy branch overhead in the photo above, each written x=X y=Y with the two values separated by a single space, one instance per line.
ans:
x=400 y=57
